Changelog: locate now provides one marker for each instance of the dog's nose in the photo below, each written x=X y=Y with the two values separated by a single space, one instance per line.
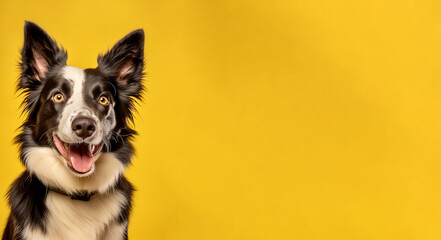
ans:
x=84 y=127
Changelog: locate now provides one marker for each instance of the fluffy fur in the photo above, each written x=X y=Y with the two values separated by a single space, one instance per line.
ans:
x=75 y=141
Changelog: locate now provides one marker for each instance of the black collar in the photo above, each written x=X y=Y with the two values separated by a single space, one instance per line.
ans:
x=81 y=195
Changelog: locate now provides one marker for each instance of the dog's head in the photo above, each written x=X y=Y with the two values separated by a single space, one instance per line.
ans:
x=79 y=112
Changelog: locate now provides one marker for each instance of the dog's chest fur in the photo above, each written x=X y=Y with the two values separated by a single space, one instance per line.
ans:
x=74 y=219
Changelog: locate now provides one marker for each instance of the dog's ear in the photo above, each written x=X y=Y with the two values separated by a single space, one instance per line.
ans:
x=125 y=62
x=40 y=52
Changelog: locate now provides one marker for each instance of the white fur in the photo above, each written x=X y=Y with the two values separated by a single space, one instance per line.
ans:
x=114 y=231
x=78 y=220
x=75 y=106
x=74 y=103
x=51 y=168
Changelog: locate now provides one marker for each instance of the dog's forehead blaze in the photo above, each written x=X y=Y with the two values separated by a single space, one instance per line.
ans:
x=87 y=85
x=84 y=84
x=75 y=77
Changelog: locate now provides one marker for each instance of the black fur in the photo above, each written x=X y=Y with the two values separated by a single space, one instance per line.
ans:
x=118 y=75
x=36 y=40
x=26 y=198
x=128 y=51
x=9 y=230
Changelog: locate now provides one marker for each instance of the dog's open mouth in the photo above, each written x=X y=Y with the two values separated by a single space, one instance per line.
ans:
x=79 y=156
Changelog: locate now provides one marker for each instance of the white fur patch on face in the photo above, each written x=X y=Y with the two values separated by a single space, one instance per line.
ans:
x=75 y=106
x=51 y=168
x=78 y=220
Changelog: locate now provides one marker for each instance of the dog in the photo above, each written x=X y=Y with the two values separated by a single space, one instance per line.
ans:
x=75 y=142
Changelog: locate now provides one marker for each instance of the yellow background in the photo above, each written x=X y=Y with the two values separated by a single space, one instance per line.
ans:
x=276 y=119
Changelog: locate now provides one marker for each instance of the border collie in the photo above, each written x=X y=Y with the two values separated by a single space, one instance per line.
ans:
x=75 y=141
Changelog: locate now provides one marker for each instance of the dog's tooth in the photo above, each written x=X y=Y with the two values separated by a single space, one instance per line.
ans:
x=91 y=148
x=99 y=147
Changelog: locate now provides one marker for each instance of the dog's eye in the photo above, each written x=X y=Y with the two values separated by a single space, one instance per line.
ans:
x=103 y=100
x=58 y=97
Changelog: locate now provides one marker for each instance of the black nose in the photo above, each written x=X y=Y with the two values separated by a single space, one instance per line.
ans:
x=84 y=127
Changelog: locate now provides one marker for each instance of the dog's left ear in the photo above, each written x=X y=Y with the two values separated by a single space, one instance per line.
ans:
x=40 y=52
x=125 y=63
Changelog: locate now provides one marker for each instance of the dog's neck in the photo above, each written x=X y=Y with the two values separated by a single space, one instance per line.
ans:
x=82 y=196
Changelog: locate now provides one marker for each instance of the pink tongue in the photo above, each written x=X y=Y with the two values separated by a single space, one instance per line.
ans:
x=80 y=158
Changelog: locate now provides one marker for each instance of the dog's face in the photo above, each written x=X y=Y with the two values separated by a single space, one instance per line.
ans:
x=79 y=106
x=80 y=113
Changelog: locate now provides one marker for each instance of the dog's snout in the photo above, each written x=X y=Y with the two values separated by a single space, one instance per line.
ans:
x=83 y=127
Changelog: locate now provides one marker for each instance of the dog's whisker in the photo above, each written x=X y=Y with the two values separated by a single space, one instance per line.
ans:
x=39 y=139
x=122 y=139
x=112 y=133
x=126 y=135
x=119 y=136
x=107 y=144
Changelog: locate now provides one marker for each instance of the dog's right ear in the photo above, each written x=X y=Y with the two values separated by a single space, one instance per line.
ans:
x=40 y=52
